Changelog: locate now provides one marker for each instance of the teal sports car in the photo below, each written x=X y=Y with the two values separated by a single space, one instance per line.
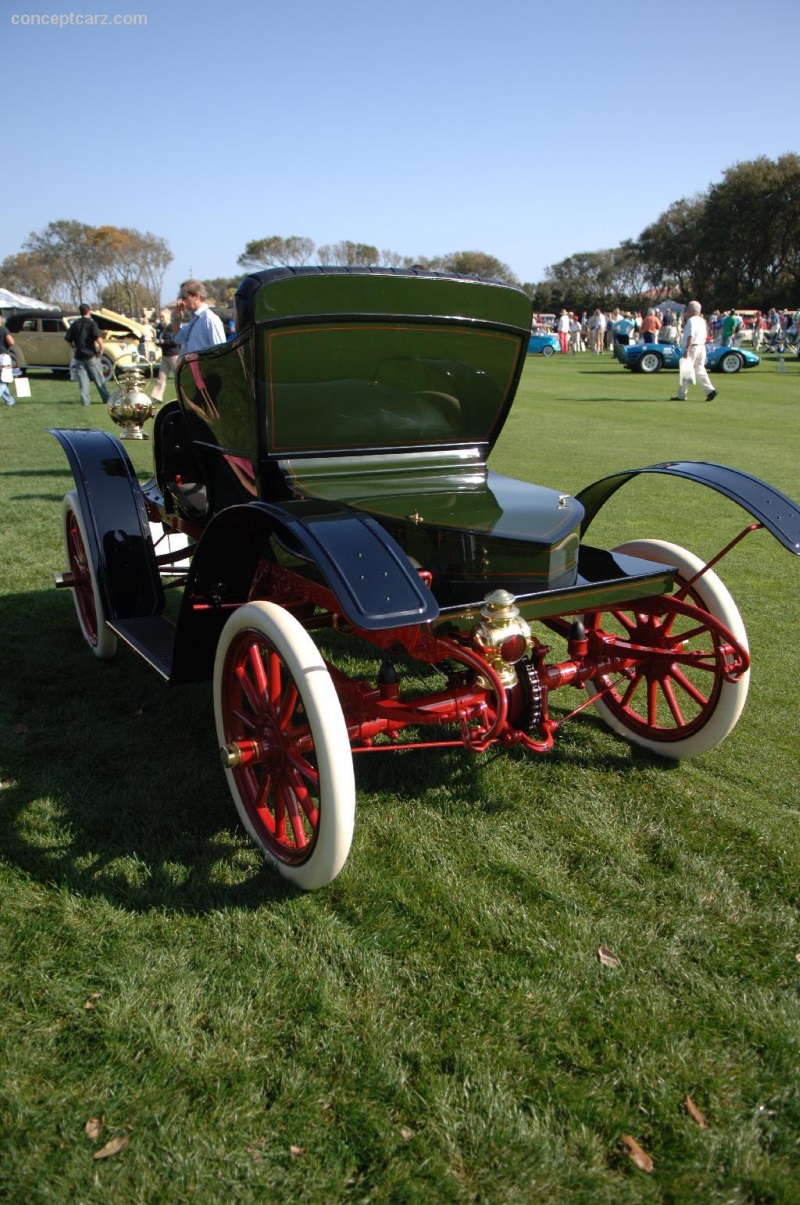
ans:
x=543 y=345
x=652 y=357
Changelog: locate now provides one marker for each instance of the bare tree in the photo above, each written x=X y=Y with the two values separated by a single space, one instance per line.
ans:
x=350 y=255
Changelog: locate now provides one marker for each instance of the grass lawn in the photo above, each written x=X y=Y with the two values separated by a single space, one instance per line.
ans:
x=435 y=1025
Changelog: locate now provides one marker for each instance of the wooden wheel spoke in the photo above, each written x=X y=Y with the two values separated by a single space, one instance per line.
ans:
x=245 y=719
x=287 y=706
x=628 y=624
x=248 y=690
x=257 y=666
x=296 y=819
x=672 y=703
x=280 y=813
x=632 y=685
x=652 y=703
x=689 y=687
x=303 y=768
x=275 y=675
x=690 y=634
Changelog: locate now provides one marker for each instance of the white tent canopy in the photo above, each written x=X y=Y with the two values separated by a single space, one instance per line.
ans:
x=17 y=301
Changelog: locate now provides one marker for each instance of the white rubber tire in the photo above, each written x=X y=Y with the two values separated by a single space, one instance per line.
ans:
x=717 y=600
x=323 y=713
x=101 y=641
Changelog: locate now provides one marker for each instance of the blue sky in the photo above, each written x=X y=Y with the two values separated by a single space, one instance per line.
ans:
x=524 y=130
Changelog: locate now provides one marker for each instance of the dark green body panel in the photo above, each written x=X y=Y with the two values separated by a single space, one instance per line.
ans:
x=305 y=295
x=475 y=530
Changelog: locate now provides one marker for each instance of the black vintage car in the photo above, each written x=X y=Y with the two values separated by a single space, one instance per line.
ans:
x=322 y=480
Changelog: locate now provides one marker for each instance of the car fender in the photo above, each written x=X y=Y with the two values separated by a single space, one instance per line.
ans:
x=772 y=508
x=117 y=528
x=375 y=583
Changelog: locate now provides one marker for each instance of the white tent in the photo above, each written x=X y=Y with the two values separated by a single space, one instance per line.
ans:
x=17 y=301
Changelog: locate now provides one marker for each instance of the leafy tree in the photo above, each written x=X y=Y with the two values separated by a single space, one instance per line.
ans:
x=28 y=273
x=474 y=263
x=70 y=251
x=69 y=262
x=222 y=288
x=671 y=249
x=737 y=243
x=276 y=252
x=133 y=266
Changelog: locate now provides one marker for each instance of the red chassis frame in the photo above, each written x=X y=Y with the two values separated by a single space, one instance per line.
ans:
x=478 y=701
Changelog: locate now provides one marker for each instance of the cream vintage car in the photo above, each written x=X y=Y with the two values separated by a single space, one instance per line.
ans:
x=39 y=339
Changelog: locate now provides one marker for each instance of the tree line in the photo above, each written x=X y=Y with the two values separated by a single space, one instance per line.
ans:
x=738 y=243
x=69 y=262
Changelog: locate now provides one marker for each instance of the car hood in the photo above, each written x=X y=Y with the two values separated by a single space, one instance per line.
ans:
x=116 y=326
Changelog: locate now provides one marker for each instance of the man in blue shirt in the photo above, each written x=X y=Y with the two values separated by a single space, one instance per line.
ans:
x=204 y=329
x=622 y=327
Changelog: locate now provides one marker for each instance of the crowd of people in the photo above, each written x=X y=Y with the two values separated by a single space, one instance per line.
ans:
x=599 y=331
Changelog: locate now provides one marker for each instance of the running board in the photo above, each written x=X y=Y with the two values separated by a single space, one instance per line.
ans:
x=152 y=638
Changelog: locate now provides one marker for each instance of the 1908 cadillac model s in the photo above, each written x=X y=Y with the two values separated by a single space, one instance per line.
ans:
x=326 y=472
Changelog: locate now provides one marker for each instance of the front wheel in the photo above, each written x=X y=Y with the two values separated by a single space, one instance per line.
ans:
x=85 y=590
x=548 y=350
x=107 y=368
x=730 y=362
x=284 y=743
x=650 y=362
x=674 y=709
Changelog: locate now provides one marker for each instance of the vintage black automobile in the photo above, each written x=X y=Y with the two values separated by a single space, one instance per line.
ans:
x=325 y=473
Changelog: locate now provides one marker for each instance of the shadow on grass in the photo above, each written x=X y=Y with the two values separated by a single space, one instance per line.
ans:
x=65 y=472
x=111 y=783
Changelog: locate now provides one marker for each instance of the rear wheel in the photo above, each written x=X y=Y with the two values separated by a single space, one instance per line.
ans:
x=673 y=709
x=85 y=590
x=548 y=350
x=284 y=743
x=650 y=362
x=730 y=362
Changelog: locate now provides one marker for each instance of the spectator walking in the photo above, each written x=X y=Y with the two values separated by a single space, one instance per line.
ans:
x=693 y=342
x=170 y=350
x=86 y=339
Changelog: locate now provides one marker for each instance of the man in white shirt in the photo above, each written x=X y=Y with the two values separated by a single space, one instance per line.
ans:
x=204 y=329
x=693 y=342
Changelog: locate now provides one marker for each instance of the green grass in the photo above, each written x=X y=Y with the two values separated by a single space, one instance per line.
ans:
x=435 y=1024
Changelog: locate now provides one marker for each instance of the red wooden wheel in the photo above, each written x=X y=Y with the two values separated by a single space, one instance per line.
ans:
x=665 y=705
x=88 y=600
x=284 y=743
